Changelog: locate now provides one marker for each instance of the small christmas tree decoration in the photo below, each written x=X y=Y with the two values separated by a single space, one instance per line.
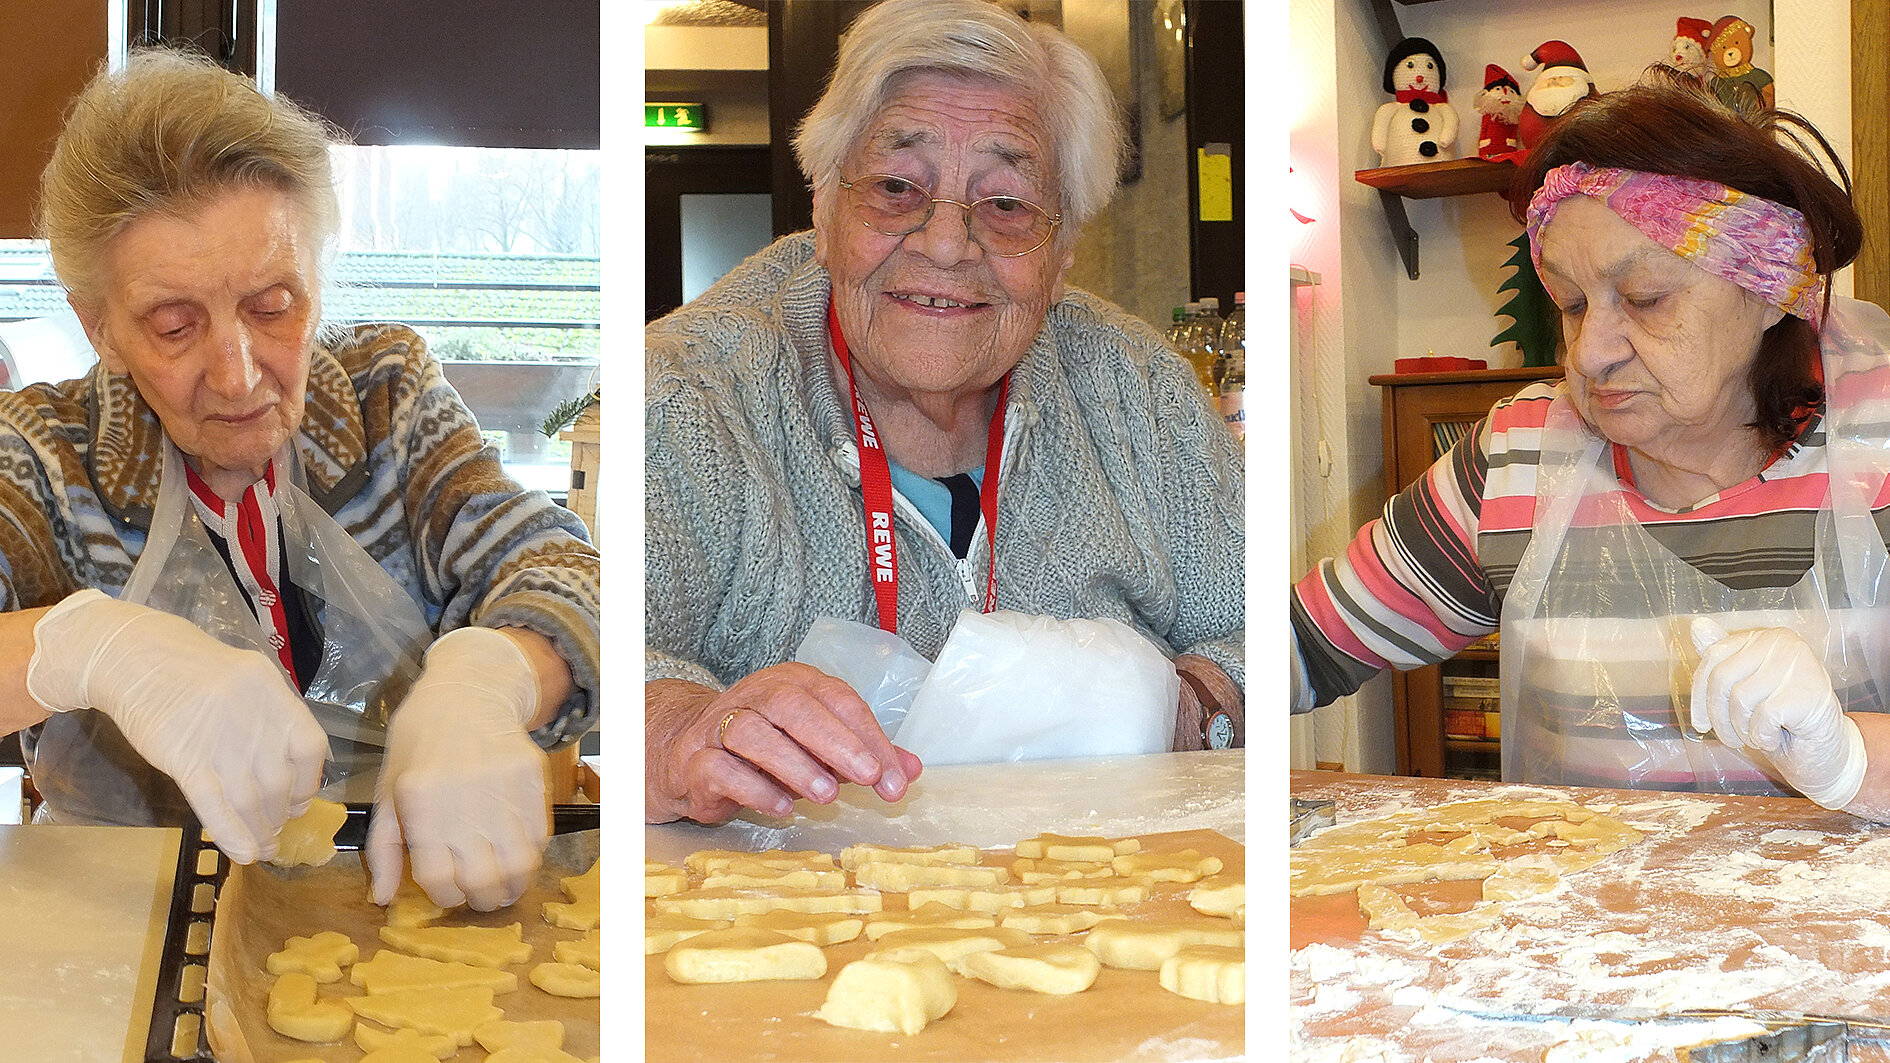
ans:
x=1419 y=125
x=1736 y=82
x=1500 y=103
x=1687 y=52
x=1533 y=313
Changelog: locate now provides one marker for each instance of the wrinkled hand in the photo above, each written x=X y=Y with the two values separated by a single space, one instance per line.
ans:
x=784 y=732
x=223 y=723
x=463 y=783
x=1767 y=690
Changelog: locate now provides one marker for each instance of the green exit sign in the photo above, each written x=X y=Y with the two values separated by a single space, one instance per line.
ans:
x=683 y=117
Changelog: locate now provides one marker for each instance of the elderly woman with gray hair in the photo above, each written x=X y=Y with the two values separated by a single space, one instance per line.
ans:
x=905 y=413
x=226 y=552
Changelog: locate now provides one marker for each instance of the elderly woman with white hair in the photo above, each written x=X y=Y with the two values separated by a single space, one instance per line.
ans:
x=914 y=374
x=246 y=546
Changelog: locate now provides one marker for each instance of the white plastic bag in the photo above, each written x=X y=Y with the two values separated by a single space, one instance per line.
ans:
x=879 y=665
x=1014 y=686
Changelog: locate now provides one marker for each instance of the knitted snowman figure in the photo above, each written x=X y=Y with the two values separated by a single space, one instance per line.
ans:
x=1419 y=125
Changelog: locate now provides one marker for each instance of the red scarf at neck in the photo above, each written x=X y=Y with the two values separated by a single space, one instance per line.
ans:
x=1407 y=95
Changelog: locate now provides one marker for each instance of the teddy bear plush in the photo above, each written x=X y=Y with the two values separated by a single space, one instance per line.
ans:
x=1736 y=82
x=1419 y=124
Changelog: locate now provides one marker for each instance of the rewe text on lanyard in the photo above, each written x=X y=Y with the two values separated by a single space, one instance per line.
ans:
x=882 y=551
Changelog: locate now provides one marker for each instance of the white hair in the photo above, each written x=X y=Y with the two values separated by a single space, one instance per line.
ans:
x=975 y=38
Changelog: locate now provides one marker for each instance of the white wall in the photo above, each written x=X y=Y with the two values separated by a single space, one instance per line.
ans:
x=1366 y=313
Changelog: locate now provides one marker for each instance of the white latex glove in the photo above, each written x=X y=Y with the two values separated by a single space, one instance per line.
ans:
x=1767 y=690
x=223 y=723
x=462 y=782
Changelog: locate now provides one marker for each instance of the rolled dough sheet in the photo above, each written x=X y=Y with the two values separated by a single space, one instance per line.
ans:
x=82 y=913
x=1126 y=1015
x=261 y=907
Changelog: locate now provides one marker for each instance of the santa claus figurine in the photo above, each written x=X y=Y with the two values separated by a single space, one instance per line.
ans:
x=1563 y=82
x=1420 y=125
x=1500 y=103
x=1688 y=53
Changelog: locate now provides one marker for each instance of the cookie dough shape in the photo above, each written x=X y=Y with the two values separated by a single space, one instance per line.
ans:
x=568 y=980
x=587 y=950
x=903 y=878
x=1111 y=892
x=934 y=914
x=585 y=906
x=453 y=1013
x=503 y=1033
x=744 y=954
x=795 y=878
x=532 y=1055
x=1050 y=919
x=661 y=880
x=724 y=902
x=295 y=1012
x=709 y=861
x=1055 y=968
x=1372 y=854
x=1081 y=848
x=1140 y=945
x=1379 y=851
x=663 y=930
x=401 y=1045
x=889 y=995
x=308 y=840
x=320 y=956
x=1033 y=871
x=818 y=928
x=1222 y=894
x=395 y=972
x=853 y=857
x=949 y=944
x=1216 y=974
x=481 y=946
x=1184 y=866
x=984 y=898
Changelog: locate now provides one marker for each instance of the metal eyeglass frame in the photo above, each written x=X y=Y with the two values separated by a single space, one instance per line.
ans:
x=1055 y=219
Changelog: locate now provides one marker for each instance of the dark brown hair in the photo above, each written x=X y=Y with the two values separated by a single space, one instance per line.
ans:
x=1669 y=124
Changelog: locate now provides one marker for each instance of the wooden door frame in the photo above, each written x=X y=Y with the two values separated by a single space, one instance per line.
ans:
x=1870 y=146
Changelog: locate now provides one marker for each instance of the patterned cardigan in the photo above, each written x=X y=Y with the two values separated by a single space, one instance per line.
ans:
x=387 y=448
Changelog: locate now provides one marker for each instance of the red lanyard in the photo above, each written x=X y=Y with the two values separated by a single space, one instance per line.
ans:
x=882 y=552
x=251 y=537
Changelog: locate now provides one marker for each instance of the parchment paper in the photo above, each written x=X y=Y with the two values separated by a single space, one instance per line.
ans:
x=262 y=906
x=1125 y=1016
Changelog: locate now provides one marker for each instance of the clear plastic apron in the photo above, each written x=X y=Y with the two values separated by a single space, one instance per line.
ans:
x=1596 y=651
x=373 y=632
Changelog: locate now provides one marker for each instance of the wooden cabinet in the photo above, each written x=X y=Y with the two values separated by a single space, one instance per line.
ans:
x=1425 y=413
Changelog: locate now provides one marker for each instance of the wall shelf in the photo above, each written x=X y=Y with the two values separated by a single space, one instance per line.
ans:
x=1429 y=180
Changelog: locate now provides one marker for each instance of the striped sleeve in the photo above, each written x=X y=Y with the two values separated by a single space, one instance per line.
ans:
x=1411 y=589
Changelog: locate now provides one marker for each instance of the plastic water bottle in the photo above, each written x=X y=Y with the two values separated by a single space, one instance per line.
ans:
x=1231 y=373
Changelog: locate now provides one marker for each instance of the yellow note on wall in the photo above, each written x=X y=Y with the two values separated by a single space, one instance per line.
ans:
x=1217 y=184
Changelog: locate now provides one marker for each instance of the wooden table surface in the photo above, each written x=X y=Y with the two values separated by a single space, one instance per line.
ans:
x=1728 y=902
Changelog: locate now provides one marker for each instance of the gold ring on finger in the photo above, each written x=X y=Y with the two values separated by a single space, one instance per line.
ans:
x=721 y=733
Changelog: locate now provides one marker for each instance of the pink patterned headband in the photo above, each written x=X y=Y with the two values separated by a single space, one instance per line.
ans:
x=1762 y=246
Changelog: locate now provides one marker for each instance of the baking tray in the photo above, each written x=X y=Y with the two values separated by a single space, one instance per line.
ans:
x=177 y=1024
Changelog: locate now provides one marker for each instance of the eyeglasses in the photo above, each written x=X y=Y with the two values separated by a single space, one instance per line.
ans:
x=1005 y=226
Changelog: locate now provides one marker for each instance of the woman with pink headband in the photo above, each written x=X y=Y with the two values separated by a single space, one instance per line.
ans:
x=1683 y=541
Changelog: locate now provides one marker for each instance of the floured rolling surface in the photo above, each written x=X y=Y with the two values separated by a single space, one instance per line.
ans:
x=1123 y=1012
x=1727 y=902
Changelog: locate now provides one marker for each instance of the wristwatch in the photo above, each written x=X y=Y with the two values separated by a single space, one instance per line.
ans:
x=1221 y=725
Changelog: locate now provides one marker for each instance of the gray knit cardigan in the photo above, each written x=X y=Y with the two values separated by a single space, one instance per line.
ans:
x=1120 y=493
